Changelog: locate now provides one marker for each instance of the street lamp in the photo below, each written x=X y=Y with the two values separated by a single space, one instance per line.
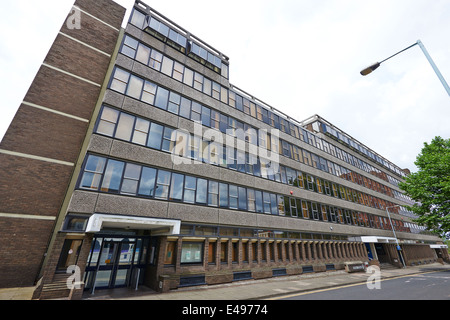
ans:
x=375 y=66
x=399 y=249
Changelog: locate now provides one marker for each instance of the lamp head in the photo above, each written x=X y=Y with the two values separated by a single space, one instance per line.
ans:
x=370 y=69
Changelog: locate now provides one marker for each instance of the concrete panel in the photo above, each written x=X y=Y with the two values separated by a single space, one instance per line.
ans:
x=100 y=144
x=121 y=205
x=191 y=213
x=128 y=151
x=82 y=202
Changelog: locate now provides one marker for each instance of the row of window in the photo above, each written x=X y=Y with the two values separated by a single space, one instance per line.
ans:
x=337 y=134
x=126 y=83
x=120 y=125
x=113 y=176
x=179 y=72
x=178 y=41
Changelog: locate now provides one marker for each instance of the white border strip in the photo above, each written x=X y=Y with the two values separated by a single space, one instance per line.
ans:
x=90 y=15
x=71 y=74
x=85 y=44
x=54 y=111
x=29 y=156
x=26 y=216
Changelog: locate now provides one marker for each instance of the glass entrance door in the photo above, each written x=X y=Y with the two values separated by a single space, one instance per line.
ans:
x=114 y=265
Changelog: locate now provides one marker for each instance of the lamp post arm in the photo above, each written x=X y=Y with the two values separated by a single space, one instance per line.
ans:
x=433 y=65
x=415 y=44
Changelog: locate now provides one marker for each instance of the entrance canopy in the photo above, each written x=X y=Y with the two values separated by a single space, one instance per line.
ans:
x=374 y=239
x=160 y=226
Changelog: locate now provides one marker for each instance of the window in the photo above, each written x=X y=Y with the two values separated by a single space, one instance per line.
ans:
x=112 y=177
x=233 y=197
x=258 y=201
x=147 y=185
x=119 y=80
x=266 y=202
x=305 y=210
x=213 y=192
x=192 y=252
x=125 y=127
x=198 y=81
x=130 y=179
x=315 y=211
x=141 y=131
x=162 y=97
x=293 y=203
x=251 y=200
x=190 y=185
x=168 y=141
x=108 y=121
x=188 y=77
x=176 y=187
x=185 y=108
x=324 y=212
x=162 y=185
x=155 y=136
x=223 y=195
x=207 y=86
x=196 y=111
x=149 y=92
x=280 y=203
x=75 y=223
x=178 y=70
x=174 y=103
x=143 y=54
x=167 y=66
x=216 y=90
x=155 y=60
x=134 y=88
x=202 y=186
x=242 y=198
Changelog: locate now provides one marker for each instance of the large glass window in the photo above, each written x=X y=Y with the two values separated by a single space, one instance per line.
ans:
x=119 y=80
x=202 y=186
x=189 y=189
x=147 y=184
x=233 y=197
x=93 y=172
x=112 y=176
x=125 y=127
x=131 y=179
x=213 y=192
x=162 y=185
x=108 y=121
x=223 y=195
x=192 y=252
x=155 y=136
x=176 y=187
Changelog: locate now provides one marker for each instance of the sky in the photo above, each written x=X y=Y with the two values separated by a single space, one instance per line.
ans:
x=302 y=57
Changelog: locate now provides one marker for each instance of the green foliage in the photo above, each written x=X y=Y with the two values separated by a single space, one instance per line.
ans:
x=430 y=186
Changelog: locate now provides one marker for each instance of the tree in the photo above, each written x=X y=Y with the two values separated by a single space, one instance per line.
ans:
x=430 y=187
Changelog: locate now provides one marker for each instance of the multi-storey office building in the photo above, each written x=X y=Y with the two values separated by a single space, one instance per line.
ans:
x=164 y=174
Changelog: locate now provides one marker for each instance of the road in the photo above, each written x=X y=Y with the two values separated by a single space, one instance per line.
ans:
x=425 y=286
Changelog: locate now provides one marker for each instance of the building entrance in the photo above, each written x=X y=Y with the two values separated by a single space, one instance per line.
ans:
x=116 y=262
x=383 y=257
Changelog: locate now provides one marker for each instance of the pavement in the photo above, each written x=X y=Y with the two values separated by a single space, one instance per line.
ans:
x=264 y=289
